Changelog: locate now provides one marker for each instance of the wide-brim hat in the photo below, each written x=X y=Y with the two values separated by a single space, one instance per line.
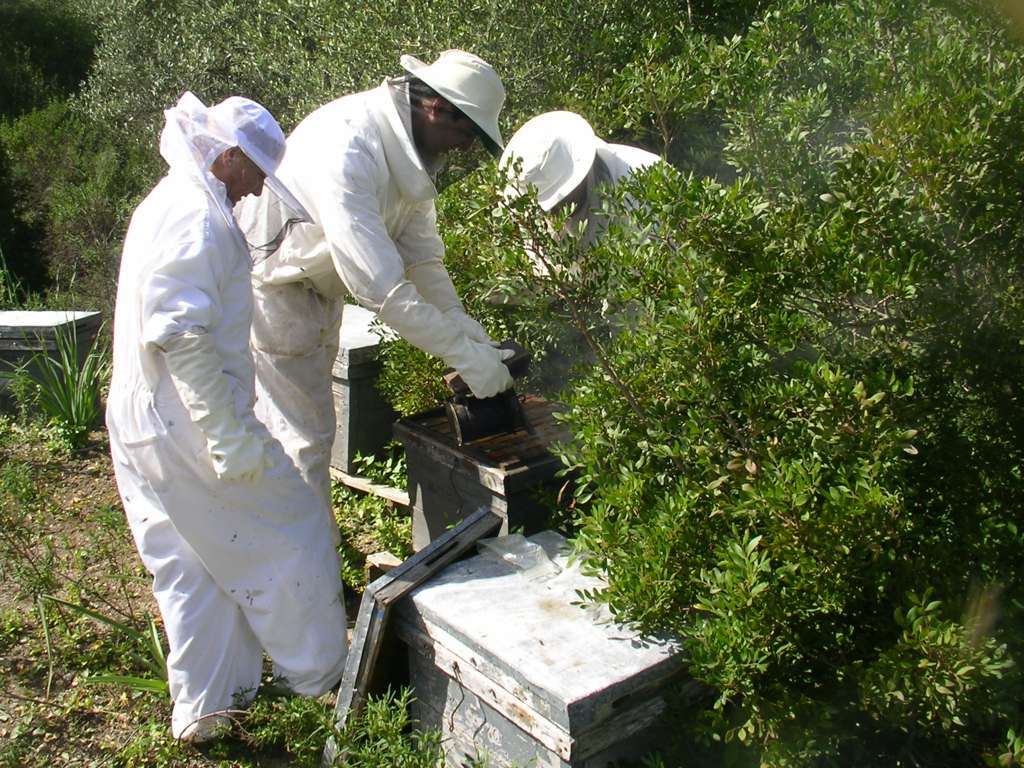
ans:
x=470 y=84
x=556 y=151
x=251 y=128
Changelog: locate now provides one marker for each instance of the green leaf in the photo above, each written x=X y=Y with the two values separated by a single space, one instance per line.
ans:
x=128 y=681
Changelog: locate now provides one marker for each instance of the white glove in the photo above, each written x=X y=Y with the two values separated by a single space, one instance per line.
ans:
x=469 y=326
x=434 y=284
x=197 y=372
x=482 y=367
x=423 y=325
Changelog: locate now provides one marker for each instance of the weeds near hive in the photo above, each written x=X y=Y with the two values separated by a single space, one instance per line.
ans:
x=64 y=390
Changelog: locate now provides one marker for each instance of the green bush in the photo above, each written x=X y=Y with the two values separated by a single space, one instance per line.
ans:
x=382 y=734
x=798 y=419
x=794 y=383
x=45 y=51
x=75 y=189
x=72 y=171
x=294 y=55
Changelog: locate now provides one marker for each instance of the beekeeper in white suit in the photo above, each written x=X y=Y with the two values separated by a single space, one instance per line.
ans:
x=364 y=167
x=239 y=547
x=570 y=168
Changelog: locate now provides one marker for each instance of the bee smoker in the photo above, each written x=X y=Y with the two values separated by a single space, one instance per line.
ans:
x=472 y=418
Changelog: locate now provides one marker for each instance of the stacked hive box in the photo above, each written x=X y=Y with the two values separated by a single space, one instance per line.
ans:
x=505 y=473
x=23 y=334
x=363 y=416
x=513 y=671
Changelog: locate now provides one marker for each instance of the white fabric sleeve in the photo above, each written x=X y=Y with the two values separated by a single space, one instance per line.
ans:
x=180 y=288
x=364 y=255
x=425 y=326
x=420 y=241
x=197 y=372
x=434 y=284
x=180 y=297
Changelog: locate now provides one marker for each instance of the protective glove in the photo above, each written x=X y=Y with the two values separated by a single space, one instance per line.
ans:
x=435 y=285
x=482 y=367
x=197 y=372
x=423 y=325
x=469 y=326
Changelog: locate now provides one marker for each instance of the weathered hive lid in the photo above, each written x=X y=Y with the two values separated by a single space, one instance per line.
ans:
x=357 y=341
x=570 y=666
x=21 y=327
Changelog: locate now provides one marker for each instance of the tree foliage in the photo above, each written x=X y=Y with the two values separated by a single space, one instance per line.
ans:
x=796 y=403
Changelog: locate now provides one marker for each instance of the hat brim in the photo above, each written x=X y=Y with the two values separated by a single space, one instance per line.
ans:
x=582 y=146
x=583 y=155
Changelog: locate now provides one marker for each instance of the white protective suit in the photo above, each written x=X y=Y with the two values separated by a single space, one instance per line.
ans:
x=239 y=566
x=612 y=163
x=353 y=165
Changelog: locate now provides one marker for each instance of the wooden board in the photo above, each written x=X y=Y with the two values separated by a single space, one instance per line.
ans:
x=394 y=495
x=371 y=630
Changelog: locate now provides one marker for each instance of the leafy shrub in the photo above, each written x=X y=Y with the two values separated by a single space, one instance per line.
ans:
x=45 y=50
x=73 y=173
x=368 y=523
x=299 y=54
x=298 y=725
x=74 y=189
x=794 y=386
x=410 y=379
x=381 y=735
x=387 y=468
x=797 y=416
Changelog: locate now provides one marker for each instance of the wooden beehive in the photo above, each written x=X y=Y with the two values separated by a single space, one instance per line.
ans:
x=514 y=672
x=503 y=473
x=24 y=334
x=363 y=418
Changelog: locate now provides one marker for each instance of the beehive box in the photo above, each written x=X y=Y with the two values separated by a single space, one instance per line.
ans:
x=513 y=672
x=504 y=473
x=363 y=417
x=24 y=334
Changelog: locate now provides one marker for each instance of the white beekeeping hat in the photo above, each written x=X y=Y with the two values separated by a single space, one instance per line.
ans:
x=194 y=135
x=470 y=84
x=556 y=151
